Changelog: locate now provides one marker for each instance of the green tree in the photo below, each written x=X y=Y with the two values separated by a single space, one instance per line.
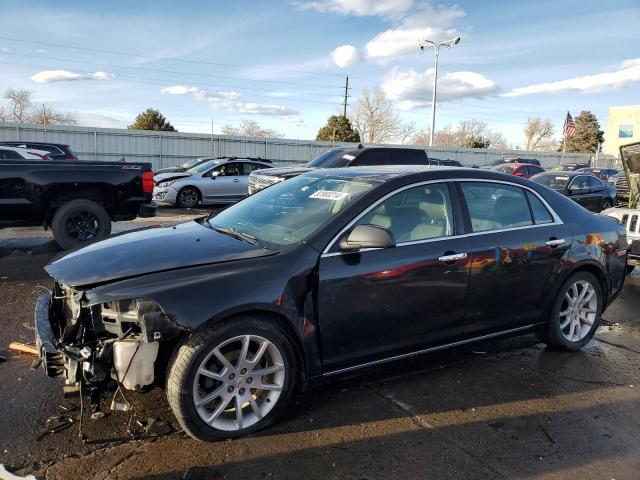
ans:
x=152 y=119
x=341 y=127
x=588 y=134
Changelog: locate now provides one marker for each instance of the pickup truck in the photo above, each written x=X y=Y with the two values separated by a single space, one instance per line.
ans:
x=78 y=200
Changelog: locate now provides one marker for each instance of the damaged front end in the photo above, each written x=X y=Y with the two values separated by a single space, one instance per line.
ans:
x=94 y=344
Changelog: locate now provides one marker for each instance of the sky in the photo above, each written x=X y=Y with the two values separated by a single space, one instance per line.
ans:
x=283 y=63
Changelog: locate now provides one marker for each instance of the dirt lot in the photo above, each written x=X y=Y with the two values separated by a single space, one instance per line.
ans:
x=507 y=409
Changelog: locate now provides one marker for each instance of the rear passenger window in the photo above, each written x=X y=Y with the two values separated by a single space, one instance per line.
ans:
x=540 y=213
x=495 y=207
x=418 y=213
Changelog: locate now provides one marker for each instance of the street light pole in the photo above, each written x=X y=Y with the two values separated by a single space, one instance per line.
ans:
x=436 y=49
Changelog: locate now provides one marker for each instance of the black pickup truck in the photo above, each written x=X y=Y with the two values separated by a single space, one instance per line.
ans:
x=77 y=200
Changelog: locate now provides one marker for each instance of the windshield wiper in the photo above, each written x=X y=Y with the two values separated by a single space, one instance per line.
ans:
x=236 y=234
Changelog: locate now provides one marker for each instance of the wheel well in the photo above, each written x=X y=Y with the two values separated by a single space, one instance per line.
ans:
x=56 y=200
x=194 y=187
x=595 y=271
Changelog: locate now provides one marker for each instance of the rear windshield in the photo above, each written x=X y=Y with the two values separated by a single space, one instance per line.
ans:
x=505 y=168
x=557 y=182
x=333 y=158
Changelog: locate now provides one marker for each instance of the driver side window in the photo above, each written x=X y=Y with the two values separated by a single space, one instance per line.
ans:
x=229 y=170
x=580 y=182
x=417 y=213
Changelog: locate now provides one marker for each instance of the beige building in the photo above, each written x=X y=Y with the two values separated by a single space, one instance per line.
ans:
x=623 y=127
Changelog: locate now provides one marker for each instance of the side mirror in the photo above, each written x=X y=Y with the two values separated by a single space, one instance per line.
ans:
x=367 y=236
x=215 y=174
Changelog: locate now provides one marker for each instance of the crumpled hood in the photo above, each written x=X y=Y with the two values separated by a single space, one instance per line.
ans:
x=160 y=177
x=149 y=250
x=284 y=172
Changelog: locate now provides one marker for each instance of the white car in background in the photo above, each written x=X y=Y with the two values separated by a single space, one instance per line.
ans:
x=220 y=180
x=17 y=153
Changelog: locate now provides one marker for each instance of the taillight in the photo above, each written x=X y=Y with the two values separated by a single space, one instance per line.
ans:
x=70 y=157
x=147 y=182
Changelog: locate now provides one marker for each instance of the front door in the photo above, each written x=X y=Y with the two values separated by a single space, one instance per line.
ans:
x=385 y=302
x=515 y=247
x=581 y=192
x=227 y=185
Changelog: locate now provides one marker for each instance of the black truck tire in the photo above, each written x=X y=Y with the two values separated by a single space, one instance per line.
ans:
x=80 y=222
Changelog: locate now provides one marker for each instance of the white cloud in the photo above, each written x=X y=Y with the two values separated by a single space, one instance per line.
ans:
x=41 y=51
x=4 y=50
x=627 y=73
x=429 y=22
x=346 y=55
x=230 y=101
x=49 y=76
x=411 y=89
x=362 y=8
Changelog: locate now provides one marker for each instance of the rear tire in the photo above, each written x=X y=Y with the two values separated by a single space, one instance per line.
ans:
x=80 y=222
x=575 y=314
x=606 y=203
x=630 y=268
x=210 y=378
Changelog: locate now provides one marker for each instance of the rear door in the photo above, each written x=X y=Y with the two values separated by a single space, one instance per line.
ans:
x=515 y=245
x=379 y=303
x=581 y=193
x=599 y=192
x=16 y=201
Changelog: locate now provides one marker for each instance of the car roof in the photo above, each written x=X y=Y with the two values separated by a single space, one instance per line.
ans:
x=24 y=142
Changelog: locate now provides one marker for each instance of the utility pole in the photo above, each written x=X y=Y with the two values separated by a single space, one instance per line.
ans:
x=346 y=96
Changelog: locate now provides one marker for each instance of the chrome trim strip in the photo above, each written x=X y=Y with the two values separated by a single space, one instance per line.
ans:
x=427 y=350
x=556 y=219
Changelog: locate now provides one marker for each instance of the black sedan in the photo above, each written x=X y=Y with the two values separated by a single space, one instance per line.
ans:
x=326 y=274
x=586 y=190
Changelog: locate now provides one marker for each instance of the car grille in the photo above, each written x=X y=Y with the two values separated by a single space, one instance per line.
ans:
x=631 y=223
x=621 y=183
x=259 y=182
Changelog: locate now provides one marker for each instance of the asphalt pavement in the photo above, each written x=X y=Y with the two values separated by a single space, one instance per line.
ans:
x=508 y=409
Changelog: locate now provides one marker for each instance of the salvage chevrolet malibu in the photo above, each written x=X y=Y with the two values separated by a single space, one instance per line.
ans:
x=326 y=274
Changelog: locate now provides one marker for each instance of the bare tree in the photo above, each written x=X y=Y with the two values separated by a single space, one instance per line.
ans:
x=19 y=103
x=22 y=110
x=468 y=134
x=537 y=132
x=374 y=117
x=48 y=116
x=250 y=128
x=405 y=132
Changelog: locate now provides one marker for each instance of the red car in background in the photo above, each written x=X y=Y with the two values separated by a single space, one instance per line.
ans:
x=524 y=170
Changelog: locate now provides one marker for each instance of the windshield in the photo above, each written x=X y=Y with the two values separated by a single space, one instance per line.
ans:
x=330 y=159
x=203 y=167
x=289 y=212
x=504 y=168
x=191 y=163
x=557 y=182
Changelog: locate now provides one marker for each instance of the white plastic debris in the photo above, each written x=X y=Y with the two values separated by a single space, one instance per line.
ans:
x=5 y=475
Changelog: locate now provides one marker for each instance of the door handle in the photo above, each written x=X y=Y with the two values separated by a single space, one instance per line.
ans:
x=236 y=180
x=553 y=243
x=453 y=257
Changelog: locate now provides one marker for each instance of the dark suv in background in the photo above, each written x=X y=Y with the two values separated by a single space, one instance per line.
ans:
x=341 y=157
x=57 y=151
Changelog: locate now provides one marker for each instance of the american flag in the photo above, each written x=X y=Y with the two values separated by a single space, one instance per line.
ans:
x=569 y=127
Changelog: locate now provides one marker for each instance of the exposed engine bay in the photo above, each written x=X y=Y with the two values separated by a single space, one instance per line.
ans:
x=95 y=344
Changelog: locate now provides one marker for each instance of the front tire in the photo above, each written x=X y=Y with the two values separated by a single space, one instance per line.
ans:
x=231 y=379
x=606 y=203
x=575 y=315
x=188 y=197
x=80 y=222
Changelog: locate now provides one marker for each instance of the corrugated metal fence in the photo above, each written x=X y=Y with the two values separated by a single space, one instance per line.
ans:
x=163 y=149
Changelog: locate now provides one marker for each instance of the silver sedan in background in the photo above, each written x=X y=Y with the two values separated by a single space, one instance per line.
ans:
x=220 y=180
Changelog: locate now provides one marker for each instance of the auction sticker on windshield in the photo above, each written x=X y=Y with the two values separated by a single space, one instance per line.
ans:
x=329 y=195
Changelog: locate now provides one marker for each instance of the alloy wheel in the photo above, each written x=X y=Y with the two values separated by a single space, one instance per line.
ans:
x=188 y=197
x=239 y=382
x=83 y=226
x=578 y=310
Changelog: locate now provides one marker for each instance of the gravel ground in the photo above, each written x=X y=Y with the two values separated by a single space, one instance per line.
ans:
x=506 y=409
